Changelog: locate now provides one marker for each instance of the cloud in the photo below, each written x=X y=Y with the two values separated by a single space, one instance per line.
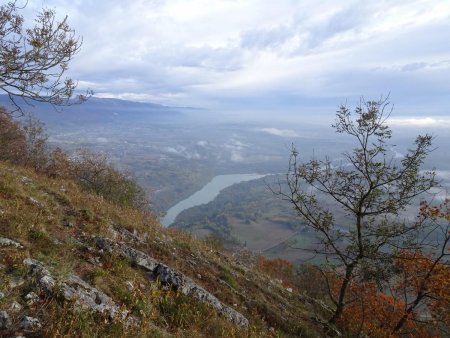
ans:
x=442 y=65
x=279 y=132
x=215 y=53
x=265 y=38
x=443 y=174
x=414 y=66
x=183 y=152
x=236 y=148
x=421 y=122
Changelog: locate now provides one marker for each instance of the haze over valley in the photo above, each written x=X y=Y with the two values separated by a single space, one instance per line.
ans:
x=174 y=152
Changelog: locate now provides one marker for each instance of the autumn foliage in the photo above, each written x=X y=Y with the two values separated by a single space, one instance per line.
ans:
x=435 y=212
x=418 y=274
x=413 y=302
x=416 y=301
x=375 y=313
x=277 y=268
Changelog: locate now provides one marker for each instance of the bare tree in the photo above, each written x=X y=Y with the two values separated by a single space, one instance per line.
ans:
x=371 y=187
x=33 y=60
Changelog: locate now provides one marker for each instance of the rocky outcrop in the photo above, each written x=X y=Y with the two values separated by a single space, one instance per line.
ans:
x=87 y=297
x=120 y=233
x=172 y=277
x=138 y=258
x=31 y=298
x=9 y=242
x=45 y=281
x=75 y=289
x=187 y=287
x=30 y=323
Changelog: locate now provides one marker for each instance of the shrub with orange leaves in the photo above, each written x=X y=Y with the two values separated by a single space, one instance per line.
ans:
x=376 y=313
x=426 y=280
x=417 y=301
x=277 y=268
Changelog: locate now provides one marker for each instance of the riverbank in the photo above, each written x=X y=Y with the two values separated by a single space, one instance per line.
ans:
x=208 y=193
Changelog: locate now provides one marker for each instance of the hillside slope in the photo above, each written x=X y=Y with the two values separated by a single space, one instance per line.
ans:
x=72 y=264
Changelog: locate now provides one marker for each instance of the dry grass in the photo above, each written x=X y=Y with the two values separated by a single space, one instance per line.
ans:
x=56 y=222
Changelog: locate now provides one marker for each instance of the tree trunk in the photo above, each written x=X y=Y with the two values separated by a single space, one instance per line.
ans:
x=340 y=304
x=404 y=318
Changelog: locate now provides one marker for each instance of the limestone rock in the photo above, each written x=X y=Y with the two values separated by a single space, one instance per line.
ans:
x=75 y=289
x=88 y=297
x=171 y=277
x=5 y=320
x=94 y=260
x=104 y=243
x=134 y=256
x=121 y=233
x=10 y=242
x=45 y=280
x=31 y=298
x=35 y=202
x=47 y=283
x=186 y=286
x=15 y=307
x=30 y=323
x=138 y=257
x=129 y=285
x=16 y=281
x=26 y=180
x=35 y=267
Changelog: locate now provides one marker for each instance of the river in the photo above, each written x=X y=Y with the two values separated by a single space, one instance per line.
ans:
x=206 y=194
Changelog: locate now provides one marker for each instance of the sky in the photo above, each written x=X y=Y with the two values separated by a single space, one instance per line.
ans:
x=263 y=55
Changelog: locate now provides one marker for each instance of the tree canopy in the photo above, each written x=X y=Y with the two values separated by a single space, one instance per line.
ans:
x=34 y=60
x=372 y=188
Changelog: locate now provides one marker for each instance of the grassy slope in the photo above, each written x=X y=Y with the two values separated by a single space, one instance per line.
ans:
x=56 y=222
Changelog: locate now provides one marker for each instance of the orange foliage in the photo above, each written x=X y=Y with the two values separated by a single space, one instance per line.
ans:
x=372 y=312
x=277 y=268
x=418 y=273
x=420 y=290
x=437 y=211
x=376 y=313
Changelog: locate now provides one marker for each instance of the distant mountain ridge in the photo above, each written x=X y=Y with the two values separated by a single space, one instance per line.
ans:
x=97 y=110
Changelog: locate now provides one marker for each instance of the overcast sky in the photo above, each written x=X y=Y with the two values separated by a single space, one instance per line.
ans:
x=250 y=55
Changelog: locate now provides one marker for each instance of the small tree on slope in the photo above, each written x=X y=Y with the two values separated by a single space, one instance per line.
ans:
x=372 y=188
